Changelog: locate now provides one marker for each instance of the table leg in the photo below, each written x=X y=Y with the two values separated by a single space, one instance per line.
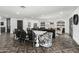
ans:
x=37 y=41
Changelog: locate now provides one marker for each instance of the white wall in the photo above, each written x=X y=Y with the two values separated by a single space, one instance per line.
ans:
x=3 y=19
x=13 y=24
x=66 y=20
x=32 y=21
x=26 y=20
x=76 y=28
x=47 y=22
x=25 y=23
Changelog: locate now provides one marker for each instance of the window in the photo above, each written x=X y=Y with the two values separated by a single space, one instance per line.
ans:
x=42 y=25
x=51 y=25
x=29 y=24
x=35 y=25
x=60 y=23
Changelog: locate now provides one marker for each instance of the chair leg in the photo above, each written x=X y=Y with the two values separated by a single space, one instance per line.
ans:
x=24 y=41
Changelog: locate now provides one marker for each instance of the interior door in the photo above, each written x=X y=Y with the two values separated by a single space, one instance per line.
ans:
x=8 y=25
x=20 y=24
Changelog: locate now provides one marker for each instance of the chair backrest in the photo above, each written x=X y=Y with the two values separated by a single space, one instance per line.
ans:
x=23 y=34
x=18 y=33
x=31 y=34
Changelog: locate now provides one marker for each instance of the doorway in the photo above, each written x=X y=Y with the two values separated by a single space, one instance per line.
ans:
x=71 y=27
x=8 y=25
x=19 y=24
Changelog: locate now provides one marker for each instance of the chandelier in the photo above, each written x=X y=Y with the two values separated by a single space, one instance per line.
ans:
x=20 y=10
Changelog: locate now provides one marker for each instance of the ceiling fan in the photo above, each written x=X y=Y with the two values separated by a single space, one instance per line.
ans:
x=21 y=10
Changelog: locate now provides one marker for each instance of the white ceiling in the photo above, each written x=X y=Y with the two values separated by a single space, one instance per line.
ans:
x=36 y=11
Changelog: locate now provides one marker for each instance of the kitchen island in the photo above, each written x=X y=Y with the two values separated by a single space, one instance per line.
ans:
x=43 y=37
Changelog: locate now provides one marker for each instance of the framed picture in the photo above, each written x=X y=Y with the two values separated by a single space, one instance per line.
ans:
x=42 y=25
x=29 y=24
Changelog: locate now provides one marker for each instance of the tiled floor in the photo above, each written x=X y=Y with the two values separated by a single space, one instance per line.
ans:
x=62 y=44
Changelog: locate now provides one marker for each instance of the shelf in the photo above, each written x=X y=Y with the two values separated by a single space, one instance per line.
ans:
x=60 y=25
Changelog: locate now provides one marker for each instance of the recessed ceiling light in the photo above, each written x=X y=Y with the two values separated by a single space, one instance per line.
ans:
x=61 y=12
x=17 y=13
